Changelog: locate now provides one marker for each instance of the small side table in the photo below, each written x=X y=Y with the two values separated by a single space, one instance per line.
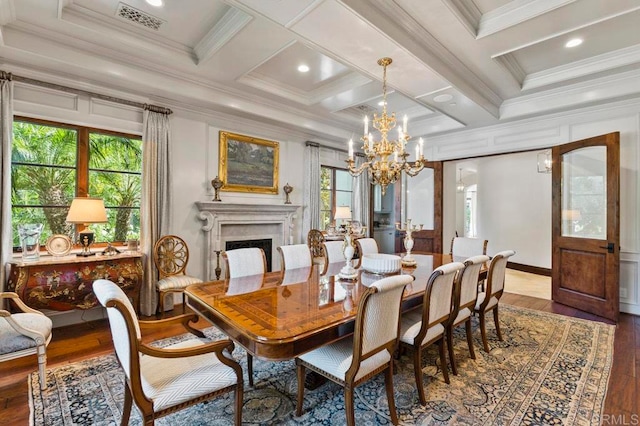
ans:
x=65 y=283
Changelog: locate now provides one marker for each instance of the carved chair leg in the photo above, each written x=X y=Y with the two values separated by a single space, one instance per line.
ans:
x=467 y=326
x=497 y=322
x=483 y=331
x=193 y=330
x=42 y=366
x=443 y=360
x=126 y=410
x=417 y=367
x=388 y=382
x=161 y=296
x=301 y=376
x=348 y=406
x=250 y=368
x=452 y=356
x=239 y=403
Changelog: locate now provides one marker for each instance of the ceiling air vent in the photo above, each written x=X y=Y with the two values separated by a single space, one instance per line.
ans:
x=139 y=17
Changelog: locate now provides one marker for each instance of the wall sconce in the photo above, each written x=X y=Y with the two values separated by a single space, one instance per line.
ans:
x=544 y=161
x=460 y=184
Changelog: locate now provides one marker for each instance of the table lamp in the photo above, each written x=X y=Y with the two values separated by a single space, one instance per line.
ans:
x=344 y=213
x=85 y=211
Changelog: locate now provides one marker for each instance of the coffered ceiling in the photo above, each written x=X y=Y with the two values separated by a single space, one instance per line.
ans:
x=457 y=64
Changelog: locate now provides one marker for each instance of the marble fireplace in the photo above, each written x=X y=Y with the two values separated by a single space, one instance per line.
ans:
x=244 y=222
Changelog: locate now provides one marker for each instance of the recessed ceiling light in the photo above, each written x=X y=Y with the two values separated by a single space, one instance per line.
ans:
x=573 y=42
x=156 y=3
x=303 y=68
x=443 y=98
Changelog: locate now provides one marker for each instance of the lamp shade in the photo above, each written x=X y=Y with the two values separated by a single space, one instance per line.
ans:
x=343 y=212
x=85 y=210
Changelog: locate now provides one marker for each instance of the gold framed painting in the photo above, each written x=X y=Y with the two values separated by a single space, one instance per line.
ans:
x=248 y=164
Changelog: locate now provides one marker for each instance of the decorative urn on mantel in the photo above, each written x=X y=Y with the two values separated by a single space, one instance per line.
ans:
x=228 y=222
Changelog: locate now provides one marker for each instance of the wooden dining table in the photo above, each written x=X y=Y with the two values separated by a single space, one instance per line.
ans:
x=281 y=315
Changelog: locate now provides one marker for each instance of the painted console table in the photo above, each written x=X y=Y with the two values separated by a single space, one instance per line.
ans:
x=65 y=283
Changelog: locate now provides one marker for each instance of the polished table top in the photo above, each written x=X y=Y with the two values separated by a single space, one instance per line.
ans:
x=280 y=315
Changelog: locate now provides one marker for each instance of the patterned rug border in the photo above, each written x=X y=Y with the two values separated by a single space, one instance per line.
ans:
x=325 y=406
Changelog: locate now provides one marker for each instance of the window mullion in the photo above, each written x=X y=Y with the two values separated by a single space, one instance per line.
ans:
x=82 y=183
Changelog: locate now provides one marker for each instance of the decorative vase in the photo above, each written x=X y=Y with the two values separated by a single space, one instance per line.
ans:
x=348 y=272
x=408 y=259
x=30 y=240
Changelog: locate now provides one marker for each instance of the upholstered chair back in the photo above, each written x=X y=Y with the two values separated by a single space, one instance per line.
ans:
x=367 y=246
x=123 y=323
x=468 y=247
x=333 y=251
x=295 y=256
x=497 y=270
x=244 y=262
x=440 y=292
x=469 y=279
x=381 y=312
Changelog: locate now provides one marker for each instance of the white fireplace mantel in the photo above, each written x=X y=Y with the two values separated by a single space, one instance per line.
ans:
x=226 y=221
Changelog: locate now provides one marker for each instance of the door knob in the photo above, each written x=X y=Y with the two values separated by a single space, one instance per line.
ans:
x=610 y=247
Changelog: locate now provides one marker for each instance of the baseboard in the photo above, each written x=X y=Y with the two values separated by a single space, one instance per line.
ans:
x=530 y=269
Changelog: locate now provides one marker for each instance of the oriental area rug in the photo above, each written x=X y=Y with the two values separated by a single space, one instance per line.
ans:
x=549 y=369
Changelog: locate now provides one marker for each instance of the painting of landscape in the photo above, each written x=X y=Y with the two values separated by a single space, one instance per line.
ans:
x=248 y=164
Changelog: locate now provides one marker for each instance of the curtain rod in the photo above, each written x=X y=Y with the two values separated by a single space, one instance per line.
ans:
x=154 y=108
x=319 y=145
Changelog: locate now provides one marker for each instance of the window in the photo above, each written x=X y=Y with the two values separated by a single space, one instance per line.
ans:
x=51 y=163
x=470 y=211
x=335 y=190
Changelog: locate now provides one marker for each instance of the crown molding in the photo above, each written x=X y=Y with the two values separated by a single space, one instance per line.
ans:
x=515 y=12
x=233 y=21
x=262 y=82
x=604 y=89
x=7 y=12
x=600 y=63
x=467 y=13
x=509 y=62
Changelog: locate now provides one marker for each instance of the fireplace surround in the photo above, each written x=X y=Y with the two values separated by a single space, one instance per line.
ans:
x=233 y=222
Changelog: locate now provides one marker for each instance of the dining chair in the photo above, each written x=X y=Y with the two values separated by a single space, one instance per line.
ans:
x=24 y=333
x=355 y=359
x=244 y=261
x=333 y=253
x=171 y=256
x=420 y=328
x=295 y=256
x=315 y=238
x=463 y=247
x=365 y=246
x=465 y=295
x=489 y=299
x=161 y=381
x=295 y=276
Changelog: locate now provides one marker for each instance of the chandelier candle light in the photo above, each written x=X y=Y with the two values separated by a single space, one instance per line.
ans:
x=386 y=159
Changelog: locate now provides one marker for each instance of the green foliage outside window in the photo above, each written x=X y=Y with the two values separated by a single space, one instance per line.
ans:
x=46 y=172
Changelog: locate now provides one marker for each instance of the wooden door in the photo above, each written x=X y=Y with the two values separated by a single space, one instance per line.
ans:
x=585 y=225
x=428 y=240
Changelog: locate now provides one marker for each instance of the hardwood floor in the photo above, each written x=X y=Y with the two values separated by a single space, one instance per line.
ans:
x=74 y=343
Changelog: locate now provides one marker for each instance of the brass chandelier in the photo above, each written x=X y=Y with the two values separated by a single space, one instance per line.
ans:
x=386 y=159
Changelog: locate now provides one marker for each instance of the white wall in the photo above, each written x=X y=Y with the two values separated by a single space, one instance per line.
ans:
x=509 y=188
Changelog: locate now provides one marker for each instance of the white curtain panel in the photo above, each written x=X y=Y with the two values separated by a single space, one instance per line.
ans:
x=311 y=208
x=6 y=133
x=360 y=195
x=155 y=205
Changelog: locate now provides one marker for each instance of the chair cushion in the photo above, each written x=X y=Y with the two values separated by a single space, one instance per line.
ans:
x=492 y=302
x=335 y=359
x=176 y=282
x=410 y=327
x=462 y=315
x=171 y=381
x=12 y=341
